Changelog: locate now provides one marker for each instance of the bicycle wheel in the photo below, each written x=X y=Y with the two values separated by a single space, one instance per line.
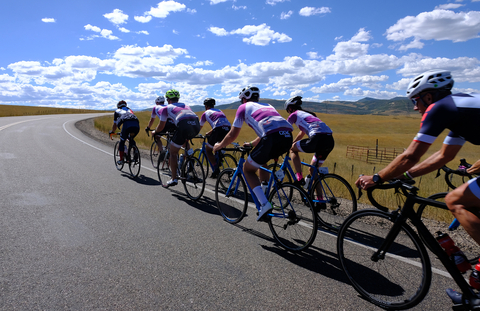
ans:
x=135 y=161
x=116 y=157
x=154 y=152
x=228 y=161
x=194 y=178
x=232 y=204
x=455 y=180
x=400 y=278
x=292 y=221
x=163 y=168
x=441 y=219
x=333 y=200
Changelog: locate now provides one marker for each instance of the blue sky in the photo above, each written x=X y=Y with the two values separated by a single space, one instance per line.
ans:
x=90 y=54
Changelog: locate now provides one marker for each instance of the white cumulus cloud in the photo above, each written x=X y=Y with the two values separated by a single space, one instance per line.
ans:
x=309 y=11
x=48 y=20
x=117 y=17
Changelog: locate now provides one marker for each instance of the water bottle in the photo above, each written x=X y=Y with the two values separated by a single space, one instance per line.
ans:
x=454 y=252
x=307 y=181
x=475 y=276
x=180 y=162
x=125 y=149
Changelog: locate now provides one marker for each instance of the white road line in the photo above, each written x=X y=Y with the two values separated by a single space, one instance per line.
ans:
x=8 y=125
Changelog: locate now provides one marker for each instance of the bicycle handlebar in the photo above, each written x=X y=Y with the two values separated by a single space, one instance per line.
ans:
x=406 y=186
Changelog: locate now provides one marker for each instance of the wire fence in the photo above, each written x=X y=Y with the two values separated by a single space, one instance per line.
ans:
x=373 y=155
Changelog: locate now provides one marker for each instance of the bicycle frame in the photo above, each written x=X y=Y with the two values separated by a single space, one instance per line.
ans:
x=408 y=212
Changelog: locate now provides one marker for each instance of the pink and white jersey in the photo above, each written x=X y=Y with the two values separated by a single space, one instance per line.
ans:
x=262 y=118
x=157 y=111
x=308 y=123
x=177 y=112
x=215 y=117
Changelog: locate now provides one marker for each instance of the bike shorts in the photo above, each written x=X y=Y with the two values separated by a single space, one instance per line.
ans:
x=170 y=127
x=218 y=134
x=474 y=186
x=320 y=144
x=129 y=128
x=186 y=129
x=270 y=147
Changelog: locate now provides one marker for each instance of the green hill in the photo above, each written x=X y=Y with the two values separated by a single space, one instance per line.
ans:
x=394 y=106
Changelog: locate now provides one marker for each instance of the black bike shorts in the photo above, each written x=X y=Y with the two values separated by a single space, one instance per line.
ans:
x=320 y=144
x=186 y=129
x=270 y=147
x=218 y=134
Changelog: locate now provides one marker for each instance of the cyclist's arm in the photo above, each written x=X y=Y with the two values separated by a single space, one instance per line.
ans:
x=150 y=123
x=160 y=126
x=475 y=168
x=299 y=136
x=435 y=161
x=114 y=127
x=228 y=139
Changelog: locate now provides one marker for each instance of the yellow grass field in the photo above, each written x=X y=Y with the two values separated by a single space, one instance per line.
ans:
x=14 y=111
x=358 y=130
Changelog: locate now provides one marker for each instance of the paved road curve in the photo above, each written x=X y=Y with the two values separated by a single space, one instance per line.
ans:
x=76 y=234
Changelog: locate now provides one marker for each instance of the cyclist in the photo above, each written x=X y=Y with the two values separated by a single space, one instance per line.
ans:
x=124 y=116
x=431 y=95
x=169 y=126
x=274 y=137
x=187 y=124
x=220 y=127
x=320 y=140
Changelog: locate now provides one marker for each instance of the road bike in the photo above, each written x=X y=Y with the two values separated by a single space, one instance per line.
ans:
x=154 y=148
x=332 y=196
x=385 y=259
x=224 y=160
x=292 y=221
x=190 y=171
x=131 y=156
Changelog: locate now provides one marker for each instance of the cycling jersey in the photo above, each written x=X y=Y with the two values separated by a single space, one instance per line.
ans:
x=123 y=114
x=157 y=111
x=308 y=123
x=262 y=118
x=177 y=112
x=215 y=117
x=460 y=113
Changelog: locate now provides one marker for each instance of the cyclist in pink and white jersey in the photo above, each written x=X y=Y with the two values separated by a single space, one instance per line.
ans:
x=274 y=139
x=320 y=140
x=187 y=127
x=220 y=127
x=156 y=112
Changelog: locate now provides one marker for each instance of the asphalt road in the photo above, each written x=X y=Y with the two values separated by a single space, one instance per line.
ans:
x=76 y=234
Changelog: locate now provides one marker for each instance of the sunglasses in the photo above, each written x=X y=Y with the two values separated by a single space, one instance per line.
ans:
x=416 y=99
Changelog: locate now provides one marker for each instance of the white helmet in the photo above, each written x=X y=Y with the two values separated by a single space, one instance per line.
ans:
x=295 y=100
x=432 y=79
x=160 y=100
x=248 y=91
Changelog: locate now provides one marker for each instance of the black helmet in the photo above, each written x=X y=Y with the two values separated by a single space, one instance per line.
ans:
x=121 y=104
x=294 y=101
x=210 y=102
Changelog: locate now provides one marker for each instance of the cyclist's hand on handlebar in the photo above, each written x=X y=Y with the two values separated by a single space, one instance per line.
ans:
x=461 y=171
x=147 y=129
x=111 y=134
x=247 y=144
x=364 y=182
x=216 y=147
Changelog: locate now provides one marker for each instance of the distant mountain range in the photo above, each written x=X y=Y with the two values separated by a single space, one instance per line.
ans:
x=394 y=106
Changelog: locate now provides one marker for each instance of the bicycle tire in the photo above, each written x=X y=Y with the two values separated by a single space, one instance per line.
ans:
x=134 y=162
x=461 y=238
x=293 y=224
x=116 y=156
x=232 y=205
x=228 y=161
x=154 y=153
x=340 y=200
x=401 y=279
x=193 y=178
x=163 y=168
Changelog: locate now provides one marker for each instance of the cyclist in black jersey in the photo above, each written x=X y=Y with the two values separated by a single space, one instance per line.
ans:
x=131 y=126
x=431 y=95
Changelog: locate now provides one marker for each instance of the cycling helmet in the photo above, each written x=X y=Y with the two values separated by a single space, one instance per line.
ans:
x=294 y=101
x=248 y=92
x=430 y=80
x=160 y=100
x=121 y=104
x=172 y=94
x=210 y=102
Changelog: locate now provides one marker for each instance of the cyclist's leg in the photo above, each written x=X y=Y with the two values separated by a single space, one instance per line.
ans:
x=324 y=145
x=464 y=203
x=296 y=148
